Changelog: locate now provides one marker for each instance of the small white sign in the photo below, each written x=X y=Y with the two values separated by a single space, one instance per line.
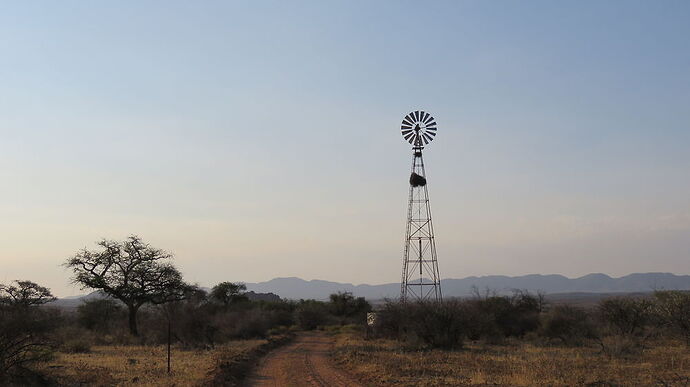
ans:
x=371 y=319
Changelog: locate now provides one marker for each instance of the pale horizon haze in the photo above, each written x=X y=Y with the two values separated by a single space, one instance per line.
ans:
x=261 y=139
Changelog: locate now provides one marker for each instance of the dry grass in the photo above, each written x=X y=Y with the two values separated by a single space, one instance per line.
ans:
x=141 y=365
x=384 y=362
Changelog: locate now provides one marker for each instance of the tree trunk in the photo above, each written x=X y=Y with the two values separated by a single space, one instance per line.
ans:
x=133 y=329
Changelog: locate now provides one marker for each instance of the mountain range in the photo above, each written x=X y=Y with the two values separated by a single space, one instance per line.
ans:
x=296 y=288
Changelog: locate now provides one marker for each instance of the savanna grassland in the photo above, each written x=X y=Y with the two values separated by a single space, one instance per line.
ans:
x=139 y=302
x=143 y=365
x=118 y=335
x=514 y=363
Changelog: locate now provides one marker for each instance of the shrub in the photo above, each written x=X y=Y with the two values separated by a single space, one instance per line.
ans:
x=436 y=325
x=673 y=310
x=72 y=338
x=440 y=325
x=624 y=322
x=311 y=314
x=495 y=317
x=481 y=322
x=100 y=315
x=391 y=320
x=570 y=324
x=77 y=345
x=23 y=338
x=620 y=346
x=24 y=327
x=626 y=315
x=347 y=308
x=447 y=324
x=254 y=323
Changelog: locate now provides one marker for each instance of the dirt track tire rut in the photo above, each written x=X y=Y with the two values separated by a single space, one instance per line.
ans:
x=305 y=362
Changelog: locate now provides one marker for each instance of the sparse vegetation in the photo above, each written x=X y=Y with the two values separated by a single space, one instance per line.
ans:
x=488 y=339
x=515 y=362
x=517 y=340
x=142 y=365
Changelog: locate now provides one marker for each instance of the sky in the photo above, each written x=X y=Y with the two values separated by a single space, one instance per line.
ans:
x=260 y=139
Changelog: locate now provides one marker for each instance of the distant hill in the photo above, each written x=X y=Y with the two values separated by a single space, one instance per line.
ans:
x=588 y=288
x=296 y=288
x=74 y=301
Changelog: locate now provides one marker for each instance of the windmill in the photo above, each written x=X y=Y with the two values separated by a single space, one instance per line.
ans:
x=420 y=277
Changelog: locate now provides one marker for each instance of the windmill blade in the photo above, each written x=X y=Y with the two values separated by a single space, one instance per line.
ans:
x=405 y=126
x=429 y=118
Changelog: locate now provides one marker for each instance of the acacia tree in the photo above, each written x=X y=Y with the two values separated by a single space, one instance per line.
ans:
x=131 y=271
x=25 y=294
x=228 y=293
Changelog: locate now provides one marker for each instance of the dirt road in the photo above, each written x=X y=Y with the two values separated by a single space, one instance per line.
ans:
x=304 y=362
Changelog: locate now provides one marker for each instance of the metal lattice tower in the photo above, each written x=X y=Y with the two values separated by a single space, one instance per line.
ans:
x=420 y=276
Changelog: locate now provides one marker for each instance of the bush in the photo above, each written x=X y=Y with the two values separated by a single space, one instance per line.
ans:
x=626 y=315
x=24 y=327
x=624 y=325
x=391 y=320
x=430 y=324
x=72 y=338
x=447 y=324
x=347 y=308
x=494 y=318
x=24 y=338
x=673 y=310
x=570 y=324
x=100 y=315
x=440 y=325
x=311 y=314
x=621 y=346
x=77 y=345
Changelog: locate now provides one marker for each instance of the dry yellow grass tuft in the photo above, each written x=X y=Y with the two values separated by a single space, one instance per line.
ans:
x=385 y=362
x=141 y=365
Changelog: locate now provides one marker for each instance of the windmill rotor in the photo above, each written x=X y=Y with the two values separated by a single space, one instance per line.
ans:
x=418 y=128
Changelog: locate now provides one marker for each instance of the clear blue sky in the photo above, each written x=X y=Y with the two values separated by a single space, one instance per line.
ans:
x=261 y=139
